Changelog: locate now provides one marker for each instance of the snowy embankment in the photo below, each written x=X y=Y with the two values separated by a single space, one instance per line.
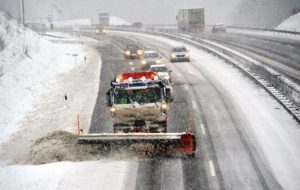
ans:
x=290 y=24
x=29 y=63
x=30 y=66
x=53 y=87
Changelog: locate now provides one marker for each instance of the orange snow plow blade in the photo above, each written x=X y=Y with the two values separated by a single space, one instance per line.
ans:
x=184 y=143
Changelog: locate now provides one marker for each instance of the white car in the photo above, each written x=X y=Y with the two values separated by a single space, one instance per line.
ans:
x=150 y=58
x=162 y=71
x=179 y=53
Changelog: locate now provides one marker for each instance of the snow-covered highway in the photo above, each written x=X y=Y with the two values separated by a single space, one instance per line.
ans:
x=246 y=140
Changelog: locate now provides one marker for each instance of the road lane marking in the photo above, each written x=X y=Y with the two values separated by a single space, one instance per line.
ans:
x=191 y=72
x=194 y=104
x=202 y=129
x=178 y=75
x=186 y=87
x=212 y=168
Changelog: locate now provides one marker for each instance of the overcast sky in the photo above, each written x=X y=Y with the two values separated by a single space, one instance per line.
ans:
x=146 y=11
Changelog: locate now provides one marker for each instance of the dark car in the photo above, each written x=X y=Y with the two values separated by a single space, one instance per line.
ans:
x=133 y=51
x=218 y=28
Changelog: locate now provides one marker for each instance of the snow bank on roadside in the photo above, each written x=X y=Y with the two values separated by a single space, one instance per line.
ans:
x=69 y=175
x=51 y=112
x=290 y=24
x=28 y=62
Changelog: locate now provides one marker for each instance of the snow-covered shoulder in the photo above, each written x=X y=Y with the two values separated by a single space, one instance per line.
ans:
x=290 y=24
x=69 y=175
x=28 y=63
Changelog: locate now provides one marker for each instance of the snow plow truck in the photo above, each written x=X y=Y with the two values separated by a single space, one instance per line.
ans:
x=138 y=104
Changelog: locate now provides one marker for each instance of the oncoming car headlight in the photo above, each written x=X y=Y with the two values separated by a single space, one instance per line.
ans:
x=127 y=52
x=139 y=52
x=173 y=55
x=167 y=77
x=187 y=54
x=143 y=62
x=157 y=61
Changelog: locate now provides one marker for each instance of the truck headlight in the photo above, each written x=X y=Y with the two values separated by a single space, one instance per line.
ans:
x=187 y=54
x=112 y=109
x=127 y=52
x=160 y=130
x=139 y=52
x=157 y=61
x=167 y=77
x=143 y=62
x=173 y=55
x=164 y=106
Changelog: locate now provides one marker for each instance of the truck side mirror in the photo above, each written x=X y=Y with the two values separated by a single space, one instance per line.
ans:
x=169 y=97
x=108 y=98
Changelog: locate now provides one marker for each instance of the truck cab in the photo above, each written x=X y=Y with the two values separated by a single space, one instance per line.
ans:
x=139 y=103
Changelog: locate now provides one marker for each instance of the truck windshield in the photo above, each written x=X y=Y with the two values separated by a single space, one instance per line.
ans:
x=132 y=47
x=159 y=69
x=149 y=95
x=151 y=55
x=179 y=49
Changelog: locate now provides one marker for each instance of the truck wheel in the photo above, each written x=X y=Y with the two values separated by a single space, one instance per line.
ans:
x=165 y=129
x=115 y=130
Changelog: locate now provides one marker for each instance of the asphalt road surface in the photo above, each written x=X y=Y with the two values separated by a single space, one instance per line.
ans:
x=227 y=157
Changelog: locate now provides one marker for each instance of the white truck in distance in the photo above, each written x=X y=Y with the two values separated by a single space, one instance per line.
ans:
x=191 y=20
